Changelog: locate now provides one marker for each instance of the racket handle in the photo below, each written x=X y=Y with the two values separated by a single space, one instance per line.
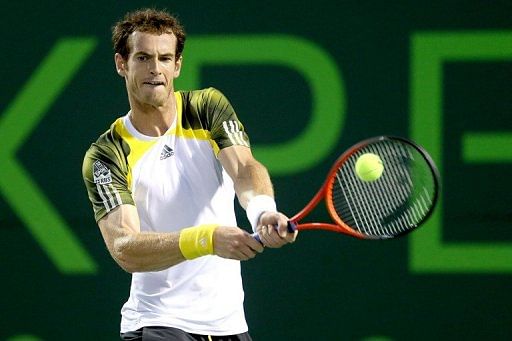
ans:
x=292 y=227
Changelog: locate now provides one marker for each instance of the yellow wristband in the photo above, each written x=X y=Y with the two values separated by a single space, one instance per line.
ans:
x=197 y=241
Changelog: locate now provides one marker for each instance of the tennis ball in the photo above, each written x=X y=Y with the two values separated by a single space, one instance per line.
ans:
x=369 y=167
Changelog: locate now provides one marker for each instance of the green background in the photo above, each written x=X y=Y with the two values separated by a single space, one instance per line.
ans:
x=438 y=72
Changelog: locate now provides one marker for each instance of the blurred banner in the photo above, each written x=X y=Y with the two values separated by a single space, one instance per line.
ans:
x=308 y=80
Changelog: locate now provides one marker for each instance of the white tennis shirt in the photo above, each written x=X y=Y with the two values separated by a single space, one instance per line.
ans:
x=175 y=181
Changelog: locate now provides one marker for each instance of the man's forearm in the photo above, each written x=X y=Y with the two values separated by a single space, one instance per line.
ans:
x=147 y=251
x=252 y=180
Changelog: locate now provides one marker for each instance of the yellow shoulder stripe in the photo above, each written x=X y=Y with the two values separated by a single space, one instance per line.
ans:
x=137 y=147
x=198 y=134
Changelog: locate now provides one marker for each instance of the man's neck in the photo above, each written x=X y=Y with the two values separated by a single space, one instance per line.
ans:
x=152 y=121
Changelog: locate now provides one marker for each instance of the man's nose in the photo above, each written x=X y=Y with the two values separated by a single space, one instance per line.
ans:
x=154 y=67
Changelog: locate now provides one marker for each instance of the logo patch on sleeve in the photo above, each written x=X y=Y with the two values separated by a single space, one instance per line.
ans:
x=101 y=173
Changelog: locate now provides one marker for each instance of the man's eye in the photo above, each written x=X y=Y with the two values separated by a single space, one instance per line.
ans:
x=142 y=58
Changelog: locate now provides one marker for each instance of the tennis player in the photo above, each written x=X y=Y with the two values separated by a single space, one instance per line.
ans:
x=162 y=182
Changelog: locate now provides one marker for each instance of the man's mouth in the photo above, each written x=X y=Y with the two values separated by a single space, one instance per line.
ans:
x=154 y=83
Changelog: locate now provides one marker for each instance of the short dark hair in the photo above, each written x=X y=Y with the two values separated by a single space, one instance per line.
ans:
x=146 y=20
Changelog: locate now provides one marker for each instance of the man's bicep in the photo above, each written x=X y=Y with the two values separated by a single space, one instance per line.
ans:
x=234 y=158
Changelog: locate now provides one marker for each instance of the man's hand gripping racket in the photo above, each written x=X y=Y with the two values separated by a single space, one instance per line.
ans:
x=386 y=202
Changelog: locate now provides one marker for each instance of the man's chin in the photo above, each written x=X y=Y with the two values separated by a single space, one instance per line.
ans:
x=157 y=101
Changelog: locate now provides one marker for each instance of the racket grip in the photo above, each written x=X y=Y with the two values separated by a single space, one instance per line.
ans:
x=292 y=227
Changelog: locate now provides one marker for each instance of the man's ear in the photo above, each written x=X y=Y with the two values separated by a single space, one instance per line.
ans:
x=120 y=65
x=177 y=66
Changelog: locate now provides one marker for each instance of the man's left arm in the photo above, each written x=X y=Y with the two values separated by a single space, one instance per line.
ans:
x=255 y=193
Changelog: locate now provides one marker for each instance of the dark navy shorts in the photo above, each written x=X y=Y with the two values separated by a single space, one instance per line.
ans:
x=174 y=334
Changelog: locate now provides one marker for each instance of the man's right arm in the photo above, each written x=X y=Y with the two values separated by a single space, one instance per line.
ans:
x=137 y=251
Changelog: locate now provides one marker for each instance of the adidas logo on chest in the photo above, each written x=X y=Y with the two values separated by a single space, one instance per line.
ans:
x=166 y=152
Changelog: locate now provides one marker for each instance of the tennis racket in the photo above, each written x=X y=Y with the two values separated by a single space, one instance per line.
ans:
x=394 y=204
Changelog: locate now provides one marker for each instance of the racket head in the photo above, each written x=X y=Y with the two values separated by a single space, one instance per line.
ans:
x=396 y=203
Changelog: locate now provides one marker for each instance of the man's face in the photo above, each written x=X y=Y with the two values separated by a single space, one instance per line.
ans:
x=150 y=69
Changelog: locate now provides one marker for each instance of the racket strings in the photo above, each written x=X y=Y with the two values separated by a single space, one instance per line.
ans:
x=391 y=205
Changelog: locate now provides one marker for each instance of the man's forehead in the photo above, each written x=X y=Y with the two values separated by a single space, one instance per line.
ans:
x=142 y=41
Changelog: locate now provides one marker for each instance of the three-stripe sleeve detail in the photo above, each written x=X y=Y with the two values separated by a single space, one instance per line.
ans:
x=234 y=133
x=110 y=196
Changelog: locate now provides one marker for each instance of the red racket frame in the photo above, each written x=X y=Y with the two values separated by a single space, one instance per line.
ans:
x=325 y=192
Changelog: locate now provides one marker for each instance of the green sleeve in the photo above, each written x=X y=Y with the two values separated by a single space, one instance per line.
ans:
x=105 y=174
x=225 y=127
x=210 y=110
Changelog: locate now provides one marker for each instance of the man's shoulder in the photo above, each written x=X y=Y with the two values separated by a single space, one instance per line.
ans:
x=108 y=142
x=198 y=92
x=201 y=95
